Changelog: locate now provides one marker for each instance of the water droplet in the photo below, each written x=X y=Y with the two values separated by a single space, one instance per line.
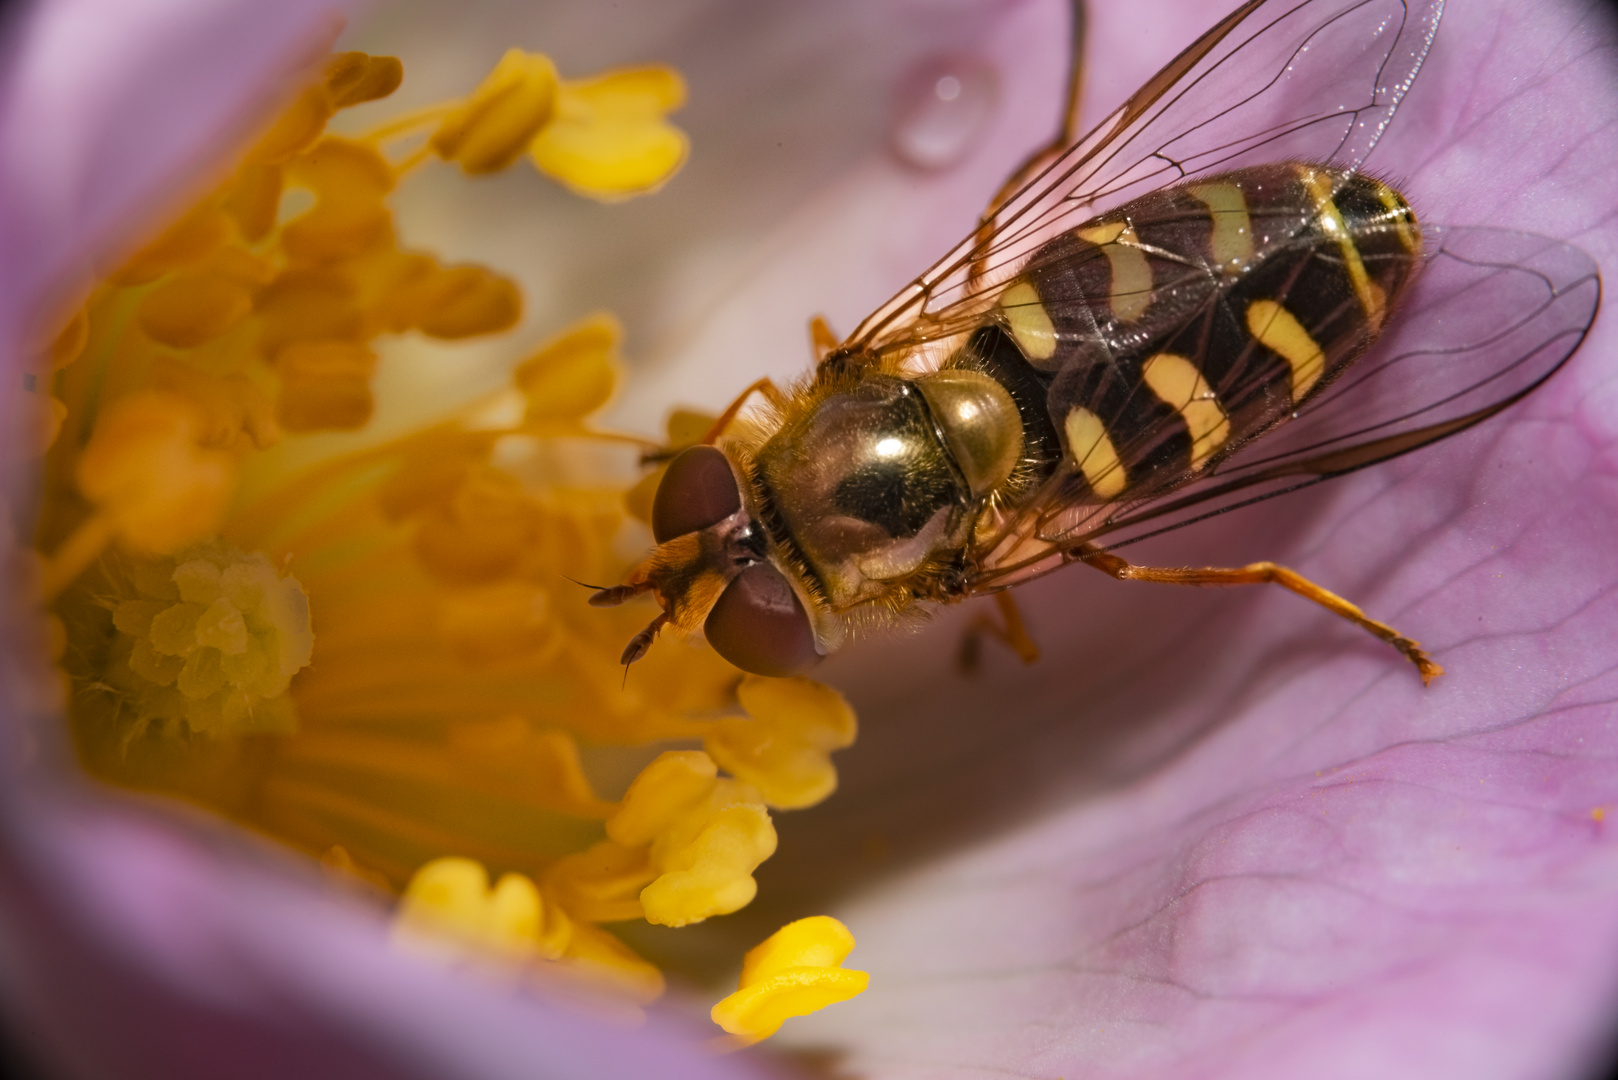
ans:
x=940 y=108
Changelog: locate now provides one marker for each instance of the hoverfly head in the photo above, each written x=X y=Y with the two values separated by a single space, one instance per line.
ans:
x=712 y=569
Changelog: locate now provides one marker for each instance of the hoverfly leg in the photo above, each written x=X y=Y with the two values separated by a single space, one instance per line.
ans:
x=641 y=642
x=614 y=595
x=1261 y=573
x=765 y=386
x=1010 y=631
x=1041 y=156
x=821 y=338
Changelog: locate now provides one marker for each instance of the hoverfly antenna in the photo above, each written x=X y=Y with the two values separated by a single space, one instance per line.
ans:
x=584 y=584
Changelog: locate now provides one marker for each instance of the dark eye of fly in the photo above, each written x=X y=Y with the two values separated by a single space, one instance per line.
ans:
x=760 y=626
x=699 y=490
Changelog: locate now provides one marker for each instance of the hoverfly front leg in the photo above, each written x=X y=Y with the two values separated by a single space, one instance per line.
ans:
x=1260 y=573
x=765 y=386
x=822 y=339
x=1010 y=631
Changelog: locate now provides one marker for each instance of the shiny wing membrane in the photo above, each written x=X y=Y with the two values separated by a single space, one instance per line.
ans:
x=1492 y=315
x=1277 y=80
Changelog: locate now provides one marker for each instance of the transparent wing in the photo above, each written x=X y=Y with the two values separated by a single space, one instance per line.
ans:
x=1277 y=80
x=1492 y=316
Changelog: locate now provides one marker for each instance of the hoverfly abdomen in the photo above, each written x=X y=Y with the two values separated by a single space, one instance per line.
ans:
x=1178 y=326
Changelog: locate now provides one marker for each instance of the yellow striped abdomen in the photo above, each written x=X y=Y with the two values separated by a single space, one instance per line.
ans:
x=1174 y=328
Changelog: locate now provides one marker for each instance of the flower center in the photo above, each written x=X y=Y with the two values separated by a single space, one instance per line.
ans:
x=379 y=659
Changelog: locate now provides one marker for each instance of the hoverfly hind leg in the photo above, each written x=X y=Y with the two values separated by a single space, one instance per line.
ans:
x=1010 y=631
x=1261 y=573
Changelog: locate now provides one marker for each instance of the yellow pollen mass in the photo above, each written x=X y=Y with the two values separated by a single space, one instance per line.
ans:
x=451 y=914
x=794 y=972
x=150 y=469
x=704 y=836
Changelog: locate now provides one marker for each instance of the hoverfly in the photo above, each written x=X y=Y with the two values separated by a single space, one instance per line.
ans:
x=1205 y=302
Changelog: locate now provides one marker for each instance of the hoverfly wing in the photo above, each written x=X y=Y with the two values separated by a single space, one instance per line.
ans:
x=1302 y=80
x=1493 y=314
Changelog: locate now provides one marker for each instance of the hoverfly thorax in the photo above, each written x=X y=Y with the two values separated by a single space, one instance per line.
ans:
x=882 y=476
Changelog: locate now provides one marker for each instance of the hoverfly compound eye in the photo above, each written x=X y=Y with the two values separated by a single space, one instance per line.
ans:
x=699 y=490
x=760 y=625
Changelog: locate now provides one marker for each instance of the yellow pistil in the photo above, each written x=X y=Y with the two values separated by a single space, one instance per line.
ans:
x=385 y=660
x=204 y=642
x=796 y=971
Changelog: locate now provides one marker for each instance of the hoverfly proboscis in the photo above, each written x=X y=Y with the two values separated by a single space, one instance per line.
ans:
x=1205 y=302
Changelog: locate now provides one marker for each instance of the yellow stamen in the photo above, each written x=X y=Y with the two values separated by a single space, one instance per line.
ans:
x=353 y=78
x=296 y=128
x=325 y=385
x=188 y=310
x=188 y=241
x=148 y=470
x=572 y=375
x=705 y=836
x=493 y=127
x=783 y=747
x=609 y=139
x=796 y=971
x=460 y=301
x=350 y=181
x=449 y=912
